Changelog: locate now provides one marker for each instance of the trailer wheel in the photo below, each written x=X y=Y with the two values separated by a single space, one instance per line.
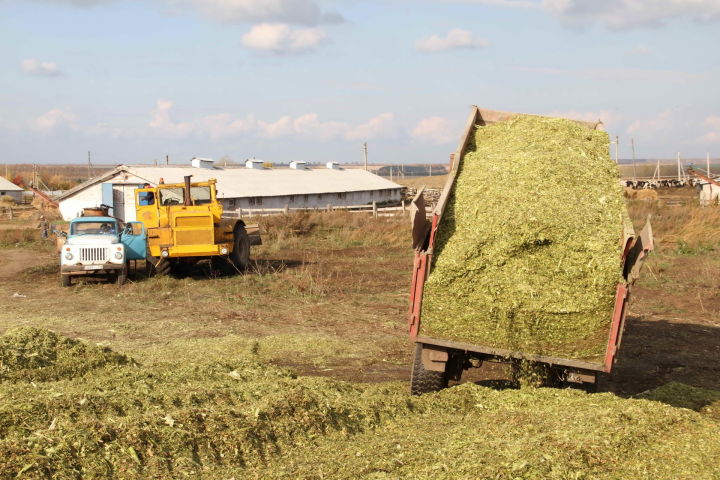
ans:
x=425 y=381
x=65 y=280
x=240 y=254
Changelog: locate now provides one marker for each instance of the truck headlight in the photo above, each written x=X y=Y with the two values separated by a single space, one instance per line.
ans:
x=164 y=254
x=68 y=255
x=119 y=255
x=224 y=250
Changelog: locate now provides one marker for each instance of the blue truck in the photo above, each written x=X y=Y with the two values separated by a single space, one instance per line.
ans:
x=101 y=246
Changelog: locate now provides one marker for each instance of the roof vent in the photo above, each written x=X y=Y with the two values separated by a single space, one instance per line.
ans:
x=333 y=165
x=298 y=165
x=253 y=163
x=202 y=162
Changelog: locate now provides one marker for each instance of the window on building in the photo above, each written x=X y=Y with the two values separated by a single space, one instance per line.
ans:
x=231 y=202
x=320 y=196
x=291 y=199
x=255 y=201
x=307 y=198
x=2 y=193
x=341 y=195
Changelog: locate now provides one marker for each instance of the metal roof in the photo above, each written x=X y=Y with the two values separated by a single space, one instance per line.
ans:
x=6 y=185
x=247 y=182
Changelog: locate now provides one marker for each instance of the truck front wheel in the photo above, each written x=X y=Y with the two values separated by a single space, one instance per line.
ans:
x=122 y=275
x=423 y=380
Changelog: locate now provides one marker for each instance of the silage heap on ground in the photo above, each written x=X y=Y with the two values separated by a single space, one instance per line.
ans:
x=242 y=419
x=528 y=251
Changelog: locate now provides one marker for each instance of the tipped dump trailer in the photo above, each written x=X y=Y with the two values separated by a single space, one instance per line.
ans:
x=438 y=360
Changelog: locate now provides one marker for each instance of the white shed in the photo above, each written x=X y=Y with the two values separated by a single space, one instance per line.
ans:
x=7 y=188
x=248 y=187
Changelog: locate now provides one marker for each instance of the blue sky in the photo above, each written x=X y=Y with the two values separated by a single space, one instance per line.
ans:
x=309 y=80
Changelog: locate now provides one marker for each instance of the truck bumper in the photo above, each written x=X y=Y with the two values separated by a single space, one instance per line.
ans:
x=84 y=269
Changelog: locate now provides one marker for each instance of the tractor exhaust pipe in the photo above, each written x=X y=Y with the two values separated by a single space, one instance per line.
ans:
x=187 y=197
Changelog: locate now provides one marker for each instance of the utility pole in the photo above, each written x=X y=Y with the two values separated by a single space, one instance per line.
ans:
x=167 y=159
x=617 y=149
x=707 y=159
x=632 y=142
x=89 y=166
x=365 y=151
x=679 y=169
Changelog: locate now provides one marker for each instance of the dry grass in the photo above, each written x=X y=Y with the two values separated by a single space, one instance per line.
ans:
x=675 y=226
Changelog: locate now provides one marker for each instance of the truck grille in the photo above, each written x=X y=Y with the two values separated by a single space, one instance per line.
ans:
x=93 y=254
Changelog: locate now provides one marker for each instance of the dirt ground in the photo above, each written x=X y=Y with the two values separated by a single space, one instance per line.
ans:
x=333 y=302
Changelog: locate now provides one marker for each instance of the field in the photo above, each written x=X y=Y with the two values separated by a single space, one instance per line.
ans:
x=315 y=335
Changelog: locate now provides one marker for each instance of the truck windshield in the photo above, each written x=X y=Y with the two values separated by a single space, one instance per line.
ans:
x=93 y=228
x=172 y=196
x=200 y=195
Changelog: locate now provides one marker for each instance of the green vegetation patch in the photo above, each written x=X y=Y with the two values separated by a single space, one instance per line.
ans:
x=681 y=395
x=471 y=432
x=528 y=250
x=174 y=420
x=32 y=354
x=239 y=418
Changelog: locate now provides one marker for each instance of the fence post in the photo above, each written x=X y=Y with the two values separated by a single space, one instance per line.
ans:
x=11 y=213
x=329 y=207
x=286 y=210
x=403 y=205
x=375 y=213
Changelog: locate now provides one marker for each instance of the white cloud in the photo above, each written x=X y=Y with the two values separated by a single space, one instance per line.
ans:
x=713 y=123
x=32 y=66
x=614 y=14
x=455 y=38
x=438 y=130
x=307 y=126
x=302 y=12
x=620 y=14
x=606 y=117
x=662 y=122
x=53 y=119
x=280 y=38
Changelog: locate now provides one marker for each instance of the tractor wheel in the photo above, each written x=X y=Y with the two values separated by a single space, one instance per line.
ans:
x=425 y=381
x=240 y=254
x=159 y=267
x=65 y=280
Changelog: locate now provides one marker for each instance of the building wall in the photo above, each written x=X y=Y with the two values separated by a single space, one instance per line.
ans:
x=17 y=195
x=313 y=200
x=124 y=186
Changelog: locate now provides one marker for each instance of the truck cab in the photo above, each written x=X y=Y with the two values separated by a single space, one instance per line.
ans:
x=100 y=245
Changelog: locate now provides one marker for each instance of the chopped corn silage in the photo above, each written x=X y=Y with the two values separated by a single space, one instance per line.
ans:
x=242 y=419
x=528 y=250
x=472 y=432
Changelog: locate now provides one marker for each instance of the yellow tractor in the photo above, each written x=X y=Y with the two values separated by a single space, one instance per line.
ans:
x=184 y=225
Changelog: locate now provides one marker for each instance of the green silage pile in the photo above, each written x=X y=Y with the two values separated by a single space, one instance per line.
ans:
x=32 y=354
x=243 y=419
x=528 y=251
x=472 y=432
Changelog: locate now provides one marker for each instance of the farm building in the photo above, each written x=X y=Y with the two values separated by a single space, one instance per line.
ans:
x=253 y=186
x=7 y=188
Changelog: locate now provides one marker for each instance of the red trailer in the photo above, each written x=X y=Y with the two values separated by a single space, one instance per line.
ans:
x=436 y=360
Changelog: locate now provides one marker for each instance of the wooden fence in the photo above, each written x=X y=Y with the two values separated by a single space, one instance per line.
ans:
x=367 y=209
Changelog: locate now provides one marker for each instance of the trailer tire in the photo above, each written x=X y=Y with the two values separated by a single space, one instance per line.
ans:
x=425 y=381
x=65 y=280
x=240 y=254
